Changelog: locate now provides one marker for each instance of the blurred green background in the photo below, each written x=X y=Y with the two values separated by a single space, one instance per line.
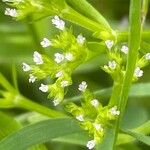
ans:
x=18 y=40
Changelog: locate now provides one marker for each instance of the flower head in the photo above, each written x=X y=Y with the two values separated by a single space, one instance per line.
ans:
x=82 y=86
x=95 y=102
x=26 y=67
x=112 y=65
x=109 y=44
x=60 y=24
x=32 y=78
x=80 y=39
x=11 y=12
x=124 y=49
x=45 y=42
x=59 y=74
x=43 y=88
x=91 y=144
x=114 y=111
x=56 y=102
x=69 y=56
x=64 y=83
x=37 y=58
x=59 y=57
x=147 y=56
x=138 y=72
x=80 y=118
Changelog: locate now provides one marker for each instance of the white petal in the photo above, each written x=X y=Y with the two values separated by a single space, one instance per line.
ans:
x=91 y=144
x=95 y=102
x=31 y=78
x=114 y=111
x=60 y=24
x=26 y=67
x=80 y=118
x=45 y=42
x=138 y=72
x=37 y=58
x=80 y=39
x=59 y=74
x=82 y=87
x=98 y=126
x=64 y=83
x=112 y=64
x=11 y=12
x=147 y=56
x=69 y=56
x=56 y=102
x=59 y=57
x=109 y=44
x=43 y=88
x=124 y=49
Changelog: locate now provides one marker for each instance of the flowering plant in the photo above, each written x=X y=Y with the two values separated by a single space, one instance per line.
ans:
x=124 y=63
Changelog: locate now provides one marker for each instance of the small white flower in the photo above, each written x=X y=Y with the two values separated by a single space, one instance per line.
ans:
x=80 y=118
x=43 y=88
x=147 y=56
x=114 y=111
x=45 y=42
x=32 y=78
x=138 y=72
x=98 y=126
x=69 y=56
x=56 y=102
x=91 y=144
x=124 y=49
x=37 y=58
x=64 y=83
x=80 y=39
x=112 y=64
x=82 y=86
x=11 y=12
x=60 y=24
x=26 y=67
x=59 y=57
x=59 y=74
x=109 y=44
x=95 y=102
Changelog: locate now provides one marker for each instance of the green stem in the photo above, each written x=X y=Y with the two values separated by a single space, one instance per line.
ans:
x=134 y=44
x=23 y=102
x=76 y=18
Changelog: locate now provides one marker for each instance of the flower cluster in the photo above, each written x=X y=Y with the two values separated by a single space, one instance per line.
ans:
x=91 y=115
x=72 y=52
x=117 y=61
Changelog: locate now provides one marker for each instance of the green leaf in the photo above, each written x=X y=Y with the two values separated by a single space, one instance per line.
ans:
x=89 y=11
x=140 y=137
x=38 y=133
x=7 y=125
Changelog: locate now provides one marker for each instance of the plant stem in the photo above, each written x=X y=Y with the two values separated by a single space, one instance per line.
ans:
x=23 y=102
x=134 y=44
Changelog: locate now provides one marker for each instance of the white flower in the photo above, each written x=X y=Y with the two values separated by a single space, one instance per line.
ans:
x=95 y=102
x=64 y=83
x=32 y=78
x=45 y=42
x=69 y=56
x=26 y=67
x=80 y=39
x=138 y=72
x=114 y=111
x=59 y=57
x=147 y=56
x=11 y=12
x=98 y=126
x=82 y=86
x=91 y=144
x=124 y=49
x=56 y=102
x=43 y=88
x=37 y=58
x=80 y=118
x=60 y=24
x=109 y=44
x=112 y=64
x=59 y=74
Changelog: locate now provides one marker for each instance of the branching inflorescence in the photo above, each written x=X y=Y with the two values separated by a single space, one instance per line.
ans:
x=73 y=51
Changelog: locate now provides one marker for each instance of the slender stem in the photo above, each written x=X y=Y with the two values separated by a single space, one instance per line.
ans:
x=134 y=44
x=23 y=102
